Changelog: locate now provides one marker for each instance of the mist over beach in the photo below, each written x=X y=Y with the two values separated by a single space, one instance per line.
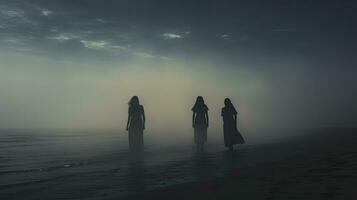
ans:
x=68 y=70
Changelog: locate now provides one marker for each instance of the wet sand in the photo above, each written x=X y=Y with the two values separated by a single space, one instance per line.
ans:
x=96 y=165
x=324 y=168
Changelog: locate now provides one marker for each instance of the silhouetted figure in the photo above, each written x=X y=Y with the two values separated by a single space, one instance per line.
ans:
x=135 y=124
x=200 y=122
x=231 y=133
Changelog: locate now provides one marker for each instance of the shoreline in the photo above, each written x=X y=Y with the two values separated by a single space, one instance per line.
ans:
x=326 y=168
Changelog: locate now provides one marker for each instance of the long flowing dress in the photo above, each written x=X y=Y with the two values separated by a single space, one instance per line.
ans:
x=136 y=128
x=230 y=131
x=200 y=129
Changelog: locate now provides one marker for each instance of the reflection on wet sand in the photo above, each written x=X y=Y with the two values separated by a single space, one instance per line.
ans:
x=136 y=173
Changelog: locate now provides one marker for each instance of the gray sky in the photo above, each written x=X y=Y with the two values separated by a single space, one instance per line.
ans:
x=75 y=64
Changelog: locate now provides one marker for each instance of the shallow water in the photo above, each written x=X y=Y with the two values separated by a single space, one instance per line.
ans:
x=95 y=165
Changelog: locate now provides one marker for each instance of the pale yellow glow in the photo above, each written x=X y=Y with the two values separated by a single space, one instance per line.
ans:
x=71 y=95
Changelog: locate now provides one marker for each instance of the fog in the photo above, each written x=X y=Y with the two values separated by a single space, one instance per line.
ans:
x=76 y=65
x=41 y=94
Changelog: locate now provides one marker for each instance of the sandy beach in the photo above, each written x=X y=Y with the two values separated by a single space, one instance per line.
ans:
x=318 y=164
x=325 y=168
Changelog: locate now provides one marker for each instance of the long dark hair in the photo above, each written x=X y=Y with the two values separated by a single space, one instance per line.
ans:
x=134 y=101
x=228 y=103
x=200 y=103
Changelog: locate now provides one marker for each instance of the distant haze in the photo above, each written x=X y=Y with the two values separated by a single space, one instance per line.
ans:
x=75 y=65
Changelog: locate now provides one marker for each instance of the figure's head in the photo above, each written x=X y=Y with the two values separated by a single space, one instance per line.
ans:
x=134 y=101
x=227 y=102
x=200 y=101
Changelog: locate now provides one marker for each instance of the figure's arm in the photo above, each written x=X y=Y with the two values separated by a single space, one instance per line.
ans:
x=193 y=119
x=128 y=122
x=207 y=119
x=235 y=119
x=144 y=119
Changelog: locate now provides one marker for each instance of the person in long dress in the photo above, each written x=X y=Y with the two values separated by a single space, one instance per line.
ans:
x=135 y=124
x=200 y=122
x=230 y=131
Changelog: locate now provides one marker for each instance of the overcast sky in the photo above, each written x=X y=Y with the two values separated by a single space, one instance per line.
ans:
x=76 y=63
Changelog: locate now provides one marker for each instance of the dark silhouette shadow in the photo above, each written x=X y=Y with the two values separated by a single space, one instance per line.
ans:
x=135 y=125
x=200 y=122
x=136 y=174
x=231 y=134
x=203 y=166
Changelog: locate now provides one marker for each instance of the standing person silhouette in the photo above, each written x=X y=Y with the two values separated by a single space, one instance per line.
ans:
x=200 y=122
x=135 y=124
x=230 y=131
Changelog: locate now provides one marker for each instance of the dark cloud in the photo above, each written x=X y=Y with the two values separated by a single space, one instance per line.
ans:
x=223 y=28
